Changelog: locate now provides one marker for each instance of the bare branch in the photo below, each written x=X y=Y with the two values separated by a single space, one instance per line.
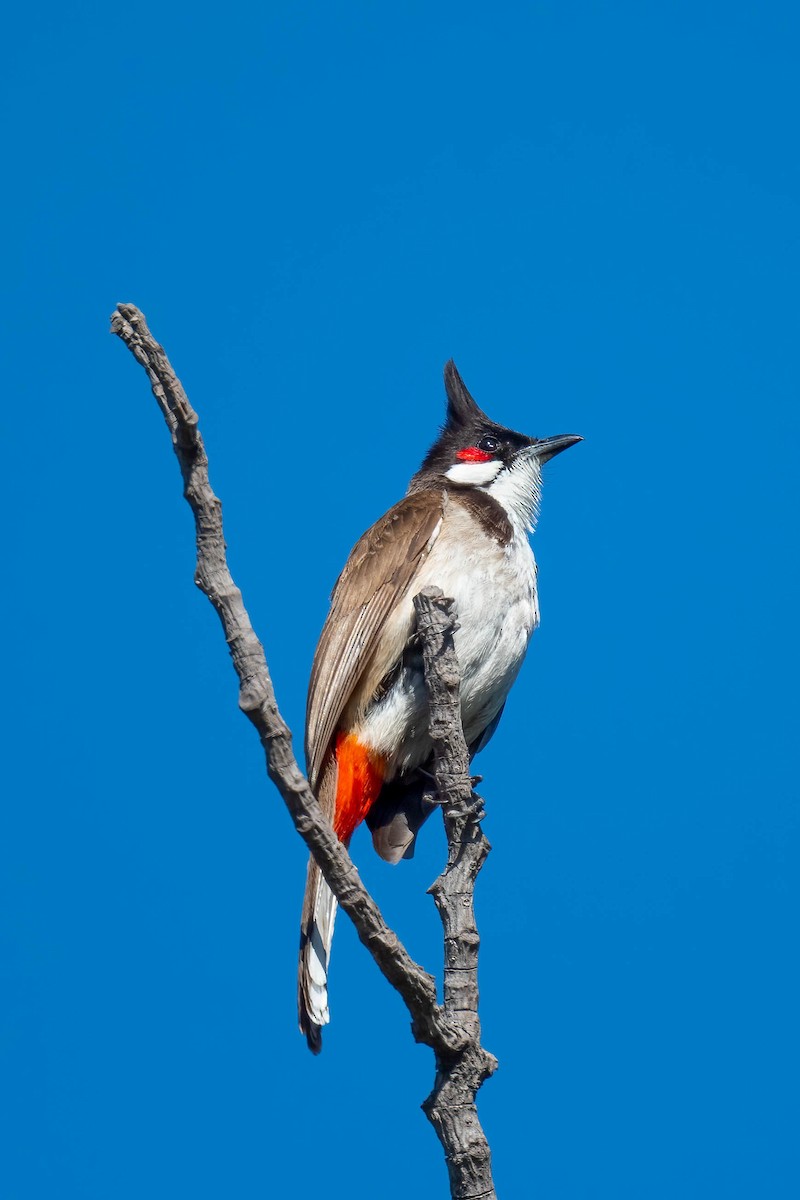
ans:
x=257 y=696
x=453 y=1029
x=451 y=1105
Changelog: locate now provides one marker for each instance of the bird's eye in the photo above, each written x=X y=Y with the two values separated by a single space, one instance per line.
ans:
x=488 y=444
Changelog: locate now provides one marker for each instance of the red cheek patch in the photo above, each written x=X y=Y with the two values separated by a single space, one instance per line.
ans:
x=473 y=454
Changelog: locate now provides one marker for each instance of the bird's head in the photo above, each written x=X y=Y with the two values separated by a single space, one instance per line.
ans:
x=472 y=451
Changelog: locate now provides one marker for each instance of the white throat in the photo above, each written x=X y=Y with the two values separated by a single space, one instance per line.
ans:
x=518 y=488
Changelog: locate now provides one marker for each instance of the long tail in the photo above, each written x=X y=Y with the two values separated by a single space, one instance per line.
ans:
x=349 y=786
x=316 y=935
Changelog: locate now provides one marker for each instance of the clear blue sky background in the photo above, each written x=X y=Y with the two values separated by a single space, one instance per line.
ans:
x=596 y=210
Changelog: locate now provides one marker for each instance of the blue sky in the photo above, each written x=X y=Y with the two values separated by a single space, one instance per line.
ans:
x=596 y=211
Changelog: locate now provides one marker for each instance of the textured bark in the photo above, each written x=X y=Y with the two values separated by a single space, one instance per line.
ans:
x=452 y=1029
x=451 y=1105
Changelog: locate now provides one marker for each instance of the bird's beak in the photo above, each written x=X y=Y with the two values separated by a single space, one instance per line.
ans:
x=546 y=448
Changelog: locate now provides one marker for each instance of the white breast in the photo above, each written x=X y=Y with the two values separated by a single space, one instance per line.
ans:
x=494 y=588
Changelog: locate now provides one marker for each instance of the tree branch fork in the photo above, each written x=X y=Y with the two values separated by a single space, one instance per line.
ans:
x=452 y=1028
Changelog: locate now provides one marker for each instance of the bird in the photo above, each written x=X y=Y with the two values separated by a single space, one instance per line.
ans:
x=463 y=526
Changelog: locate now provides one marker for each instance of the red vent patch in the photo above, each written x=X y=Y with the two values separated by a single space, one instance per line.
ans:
x=473 y=454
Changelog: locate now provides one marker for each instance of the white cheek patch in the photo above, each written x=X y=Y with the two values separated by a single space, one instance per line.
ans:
x=476 y=473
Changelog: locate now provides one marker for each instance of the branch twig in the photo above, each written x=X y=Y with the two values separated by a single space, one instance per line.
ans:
x=451 y=1030
x=451 y=1105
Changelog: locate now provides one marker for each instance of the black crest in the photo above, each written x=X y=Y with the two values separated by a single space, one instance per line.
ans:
x=462 y=411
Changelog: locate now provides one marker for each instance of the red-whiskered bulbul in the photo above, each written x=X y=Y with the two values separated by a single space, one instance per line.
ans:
x=462 y=526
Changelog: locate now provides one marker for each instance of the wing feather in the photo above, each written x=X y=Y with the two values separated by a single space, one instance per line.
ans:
x=379 y=572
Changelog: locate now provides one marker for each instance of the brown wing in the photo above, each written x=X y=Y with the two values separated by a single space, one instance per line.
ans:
x=379 y=571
